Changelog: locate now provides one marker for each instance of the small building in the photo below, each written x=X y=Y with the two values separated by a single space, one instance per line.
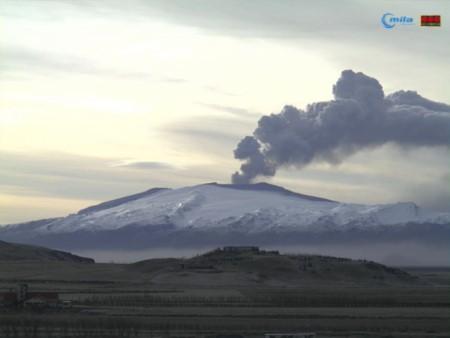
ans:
x=23 y=298
x=290 y=335
x=240 y=249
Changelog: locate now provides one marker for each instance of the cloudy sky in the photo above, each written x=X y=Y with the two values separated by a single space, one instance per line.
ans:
x=100 y=99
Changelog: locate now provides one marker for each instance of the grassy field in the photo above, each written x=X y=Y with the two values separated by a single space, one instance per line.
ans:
x=112 y=300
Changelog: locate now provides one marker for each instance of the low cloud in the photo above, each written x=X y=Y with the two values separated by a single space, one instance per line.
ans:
x=435 y=196
x=77 y=177
x=235 y=111
x=21 y=59
x=146 y=165
x=209 y=135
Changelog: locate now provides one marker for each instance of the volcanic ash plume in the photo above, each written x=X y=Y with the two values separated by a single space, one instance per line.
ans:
x=359 y=117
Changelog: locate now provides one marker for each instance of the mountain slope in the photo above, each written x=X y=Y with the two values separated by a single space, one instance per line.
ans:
x=210 y=215
x=254 y=208
x=21 y=252
x=119 y=201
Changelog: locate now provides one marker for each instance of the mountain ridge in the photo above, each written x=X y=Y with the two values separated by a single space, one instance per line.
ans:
x=215 y=214
x=23 y=252
x=253 y=266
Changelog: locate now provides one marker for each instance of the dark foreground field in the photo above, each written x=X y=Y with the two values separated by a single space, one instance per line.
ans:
x=112 y=300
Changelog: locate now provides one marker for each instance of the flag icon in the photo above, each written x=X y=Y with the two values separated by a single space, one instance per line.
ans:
x=430 y=20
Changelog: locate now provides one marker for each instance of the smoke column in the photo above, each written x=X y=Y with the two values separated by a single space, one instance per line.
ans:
x=359 y=117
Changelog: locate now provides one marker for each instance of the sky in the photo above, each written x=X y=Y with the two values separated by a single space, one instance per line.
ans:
x=101 y=99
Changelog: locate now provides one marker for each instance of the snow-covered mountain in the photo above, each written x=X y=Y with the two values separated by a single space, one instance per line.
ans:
x=217 y=214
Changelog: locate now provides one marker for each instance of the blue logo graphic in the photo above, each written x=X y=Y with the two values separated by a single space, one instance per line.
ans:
x=389 y=20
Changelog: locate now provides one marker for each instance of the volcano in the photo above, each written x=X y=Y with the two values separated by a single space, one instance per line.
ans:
x=212 y=214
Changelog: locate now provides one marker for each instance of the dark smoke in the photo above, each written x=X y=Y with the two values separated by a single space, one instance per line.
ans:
x=359 y=117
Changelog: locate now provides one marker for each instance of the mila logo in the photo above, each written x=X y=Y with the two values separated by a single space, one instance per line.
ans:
x=389 y=20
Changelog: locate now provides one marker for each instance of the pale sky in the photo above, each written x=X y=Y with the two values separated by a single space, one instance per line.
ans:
x=101 y=99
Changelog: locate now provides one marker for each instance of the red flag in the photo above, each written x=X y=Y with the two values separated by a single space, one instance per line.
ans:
x=430 y=20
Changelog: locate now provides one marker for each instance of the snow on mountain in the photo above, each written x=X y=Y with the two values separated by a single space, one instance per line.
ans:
x=252 y=208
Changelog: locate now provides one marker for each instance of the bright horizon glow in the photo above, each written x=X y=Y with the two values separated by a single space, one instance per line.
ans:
x=103 y=85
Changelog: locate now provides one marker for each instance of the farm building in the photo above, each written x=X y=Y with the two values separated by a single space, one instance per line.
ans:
x=23 y=298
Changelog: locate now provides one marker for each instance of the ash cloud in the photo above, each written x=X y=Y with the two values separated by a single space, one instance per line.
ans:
x=147 y=165
x=360 y=117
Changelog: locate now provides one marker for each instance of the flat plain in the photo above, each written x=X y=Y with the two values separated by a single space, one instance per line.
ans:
x=129 y=300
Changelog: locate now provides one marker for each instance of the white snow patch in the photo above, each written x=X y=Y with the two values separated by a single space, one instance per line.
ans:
x=212 y=206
